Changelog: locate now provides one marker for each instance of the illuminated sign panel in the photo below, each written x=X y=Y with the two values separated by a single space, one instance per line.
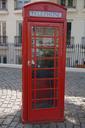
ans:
x=45 y=14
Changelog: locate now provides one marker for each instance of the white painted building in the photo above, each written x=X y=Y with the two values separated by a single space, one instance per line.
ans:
x=11 y=22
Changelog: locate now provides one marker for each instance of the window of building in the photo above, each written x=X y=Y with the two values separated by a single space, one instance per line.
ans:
x=68 y=61
x=18 y=37
x=69 y=33
x=2 y=28
x=84 y=61
x=83 y=42
x=0 y=59
x=3 y=37
x=63 y=2
x=3 y=59
x=3 y=4
x=68 y=3
x=84 y=3
x=18 y=4
x=18 y=59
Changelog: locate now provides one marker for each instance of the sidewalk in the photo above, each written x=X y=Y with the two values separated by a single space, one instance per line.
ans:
x=10 y=101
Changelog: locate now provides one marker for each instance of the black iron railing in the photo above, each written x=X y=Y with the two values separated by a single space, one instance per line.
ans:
x=3 y=40
x=69 y=4
x=18 y=41
x=75 y=55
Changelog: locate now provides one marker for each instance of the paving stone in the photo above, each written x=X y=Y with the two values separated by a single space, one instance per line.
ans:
x=7 y=121
x=52 y=125
x=45 y=126
x=61 y=125
x=36 y=126
x=19 y=126
x=27 y=126
x=1 y=120
x=76 y=126
x=82 y=120
x=4 y=126
x=13 y=124
x=82 y=125
x=4 y=105
x=16 y=119
x=69 y=125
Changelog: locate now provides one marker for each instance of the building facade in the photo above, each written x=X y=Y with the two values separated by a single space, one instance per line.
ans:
x=11 y=25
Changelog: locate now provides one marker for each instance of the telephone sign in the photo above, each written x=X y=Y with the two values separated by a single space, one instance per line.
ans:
x=45 y=14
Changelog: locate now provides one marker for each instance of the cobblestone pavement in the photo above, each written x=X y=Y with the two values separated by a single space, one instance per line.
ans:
x=10 y=101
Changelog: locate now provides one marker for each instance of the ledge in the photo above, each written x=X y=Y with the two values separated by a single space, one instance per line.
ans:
x=71 y=10
x=83 y=10
x=18 y=11
x=75 y=70
x=4 y=12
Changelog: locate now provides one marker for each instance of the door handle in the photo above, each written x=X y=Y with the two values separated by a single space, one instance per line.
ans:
x=29 y=63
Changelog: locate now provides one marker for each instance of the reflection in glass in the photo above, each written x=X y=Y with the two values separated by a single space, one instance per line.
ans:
x=43 y=74
x=43 y=31
x=45 y=63
x=43 y=42
x=43 y=94
x=43 y=52
x=43 y=84
x=45 y=104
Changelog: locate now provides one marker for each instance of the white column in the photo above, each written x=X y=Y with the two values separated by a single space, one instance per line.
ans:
x=11 y=22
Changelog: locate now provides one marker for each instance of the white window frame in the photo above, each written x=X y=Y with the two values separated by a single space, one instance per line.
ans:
x=19 y=3
x=73 y=6
x=1 y=7
x=1 y=28
x=84 y=3
x=2 y=58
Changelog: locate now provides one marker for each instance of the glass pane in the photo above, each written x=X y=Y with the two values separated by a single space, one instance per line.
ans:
x=43 y=84
x=70 y=3
x=45 y=63
x=43 y=74
x=44 y=91
x=45 y=104
x=43 y=42
x=63 y=2
x=42 y=52
x=43 y=94
x=43 y=31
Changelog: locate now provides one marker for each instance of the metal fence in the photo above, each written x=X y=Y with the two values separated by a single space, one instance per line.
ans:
x=11 y=53
x=75 y=55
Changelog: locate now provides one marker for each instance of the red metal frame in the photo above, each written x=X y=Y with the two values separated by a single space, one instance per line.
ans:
x=34 y=114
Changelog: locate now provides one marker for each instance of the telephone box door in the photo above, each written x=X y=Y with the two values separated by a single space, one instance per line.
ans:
x=44 y=67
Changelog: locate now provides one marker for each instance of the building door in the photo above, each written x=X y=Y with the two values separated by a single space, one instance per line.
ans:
x=44 y=60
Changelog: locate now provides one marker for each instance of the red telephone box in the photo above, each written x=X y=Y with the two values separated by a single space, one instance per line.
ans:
x=43 y=68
